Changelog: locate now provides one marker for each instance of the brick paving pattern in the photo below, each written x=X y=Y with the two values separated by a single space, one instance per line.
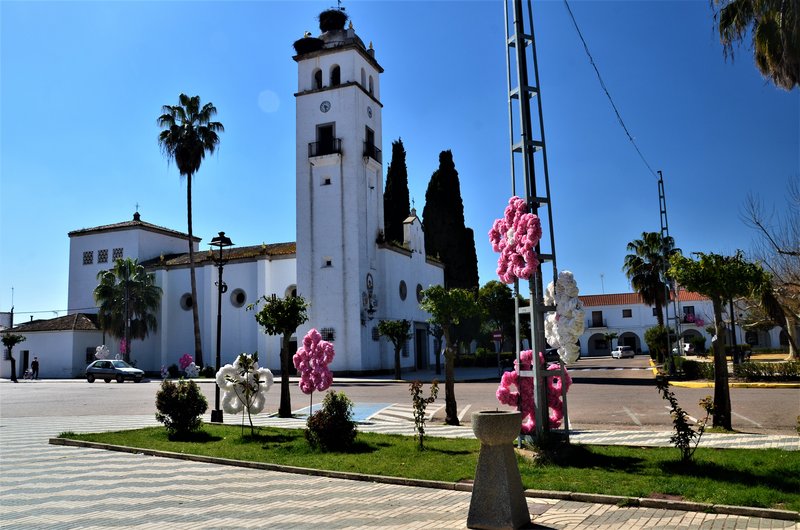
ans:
x=44 y=486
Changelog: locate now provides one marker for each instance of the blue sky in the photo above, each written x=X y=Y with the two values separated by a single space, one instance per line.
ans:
x=82 y=83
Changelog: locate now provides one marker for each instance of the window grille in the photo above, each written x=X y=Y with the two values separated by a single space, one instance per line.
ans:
x=328 y=334
x=88 y=257
x=102 y=256
x=375 y=335
x=117 y=254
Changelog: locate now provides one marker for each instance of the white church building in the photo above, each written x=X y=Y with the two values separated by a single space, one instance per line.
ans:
x=340 y=262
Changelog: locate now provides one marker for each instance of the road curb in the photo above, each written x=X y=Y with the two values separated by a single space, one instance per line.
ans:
x=617 y=500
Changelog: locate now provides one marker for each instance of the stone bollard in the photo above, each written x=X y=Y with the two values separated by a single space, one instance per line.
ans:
x=498 y=499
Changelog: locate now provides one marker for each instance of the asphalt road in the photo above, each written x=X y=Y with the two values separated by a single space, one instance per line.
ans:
x=603 y=396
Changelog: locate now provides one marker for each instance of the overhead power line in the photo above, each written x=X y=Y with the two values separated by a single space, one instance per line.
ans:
x=605 y=89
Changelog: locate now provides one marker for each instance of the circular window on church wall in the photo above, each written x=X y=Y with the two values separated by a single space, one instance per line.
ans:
x=419 y=293
x=186 y=302
x=403 y=290
x=238 y=298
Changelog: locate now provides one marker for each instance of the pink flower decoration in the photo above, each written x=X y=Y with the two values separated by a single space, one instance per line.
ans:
x=123 y=346
x=524 y=387
x=185 y=361
x=312 y=360
x=515 y=236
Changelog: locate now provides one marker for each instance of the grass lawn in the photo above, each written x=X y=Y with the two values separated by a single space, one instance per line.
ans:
x=767 y=478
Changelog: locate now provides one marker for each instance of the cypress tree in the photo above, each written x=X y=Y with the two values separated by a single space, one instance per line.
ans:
x=446 y=235
x=395 y=195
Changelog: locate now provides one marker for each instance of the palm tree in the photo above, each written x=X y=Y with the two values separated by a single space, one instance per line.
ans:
x=128 y=298
x=775 y=32
x=645 y=268
x=187 y=134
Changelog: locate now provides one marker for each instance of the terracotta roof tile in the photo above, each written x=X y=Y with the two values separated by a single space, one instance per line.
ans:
x=591 y=300
x=73 y=322
x=234 y=254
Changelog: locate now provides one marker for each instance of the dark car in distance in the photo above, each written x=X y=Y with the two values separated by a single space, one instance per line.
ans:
x=108 y=369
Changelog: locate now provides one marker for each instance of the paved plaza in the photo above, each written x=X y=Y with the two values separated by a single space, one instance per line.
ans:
x=48 y=486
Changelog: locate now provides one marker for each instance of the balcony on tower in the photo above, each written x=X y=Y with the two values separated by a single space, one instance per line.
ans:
x=370 y=150
x=329 y=146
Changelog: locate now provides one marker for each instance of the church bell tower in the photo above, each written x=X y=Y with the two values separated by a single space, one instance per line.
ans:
x=339 y=187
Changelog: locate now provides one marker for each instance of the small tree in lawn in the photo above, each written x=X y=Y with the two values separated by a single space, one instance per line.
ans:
x=312 y=360
x=448 y=307
x=420 y=404
x=721 y=278
x=9 y=341
x=282 y=316
x=396 y=331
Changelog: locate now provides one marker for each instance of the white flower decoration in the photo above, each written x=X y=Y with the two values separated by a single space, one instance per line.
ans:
x=564 y=327
x=244 y=384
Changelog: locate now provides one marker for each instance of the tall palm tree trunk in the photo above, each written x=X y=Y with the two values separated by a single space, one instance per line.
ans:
x=722 y=395
x=198 y=350
x=659 y=313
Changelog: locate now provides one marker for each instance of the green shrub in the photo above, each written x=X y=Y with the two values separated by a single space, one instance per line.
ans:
x=208 y=371
x=690 y=369
x=699 y=345
x=750 y=371
x=174 y=371
x=332 y=427
x=180 y=406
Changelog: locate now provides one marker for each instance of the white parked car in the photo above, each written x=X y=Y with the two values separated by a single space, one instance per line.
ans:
x=622 y=351
x=688 y=349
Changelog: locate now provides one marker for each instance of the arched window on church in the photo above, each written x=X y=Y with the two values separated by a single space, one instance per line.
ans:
x=371 y=87
x=336 y=75
x=317 y=83
x=363 y=78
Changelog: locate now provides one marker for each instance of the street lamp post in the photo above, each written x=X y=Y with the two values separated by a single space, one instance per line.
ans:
x=220 y=242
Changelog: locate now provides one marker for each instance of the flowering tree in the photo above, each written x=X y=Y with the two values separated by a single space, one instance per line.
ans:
x=312 y=360
x=563 y=328
x=245 y=386
x=515 y=236
x=523 y=395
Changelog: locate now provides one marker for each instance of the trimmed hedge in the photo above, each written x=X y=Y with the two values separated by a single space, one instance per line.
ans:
x=750 y=371
x=690 y=369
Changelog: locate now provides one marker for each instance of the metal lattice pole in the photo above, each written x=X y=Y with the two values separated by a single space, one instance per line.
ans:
x=520 y=45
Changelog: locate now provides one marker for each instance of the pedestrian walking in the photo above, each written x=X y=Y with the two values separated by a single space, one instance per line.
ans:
x=35 y=368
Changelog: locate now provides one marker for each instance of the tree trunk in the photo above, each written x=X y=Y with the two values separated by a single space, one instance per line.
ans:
x=722 y=395
x=659 y=313
x=450 y=407
x=285 y=408
x=13 y=366
x=397 y=374
x=198 y=350
x=791 y=332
